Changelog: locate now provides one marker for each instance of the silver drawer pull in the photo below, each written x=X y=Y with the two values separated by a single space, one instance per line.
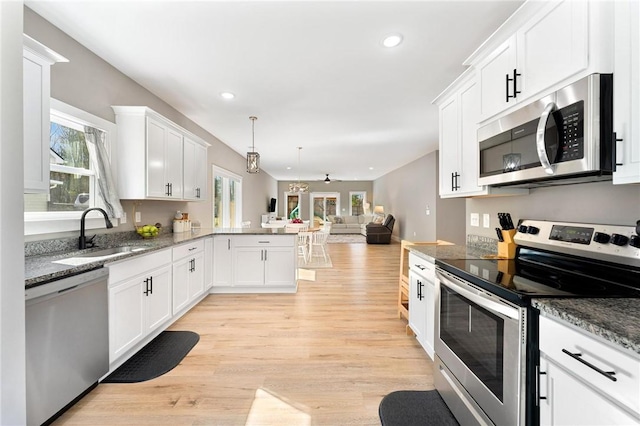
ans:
x=422 y=268
x=578 y=357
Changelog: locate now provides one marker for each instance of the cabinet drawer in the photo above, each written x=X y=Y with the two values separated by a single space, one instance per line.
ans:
x=422 y=267
x=556 y=336
x=187 y=249
x=263 y=240
x=138 y=265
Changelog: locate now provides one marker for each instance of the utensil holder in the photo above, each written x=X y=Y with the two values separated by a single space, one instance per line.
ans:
x=507 y=248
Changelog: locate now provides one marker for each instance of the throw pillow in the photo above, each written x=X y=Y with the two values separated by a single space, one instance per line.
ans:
x=338 y=219
x=378 y=219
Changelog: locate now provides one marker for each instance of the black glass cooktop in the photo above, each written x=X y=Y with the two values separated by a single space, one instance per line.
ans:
x=540 y=274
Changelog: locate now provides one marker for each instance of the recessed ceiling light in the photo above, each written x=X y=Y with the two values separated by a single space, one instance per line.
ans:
x=227 y=95
x=370 y=168
x=288 y=167
x=392 y=40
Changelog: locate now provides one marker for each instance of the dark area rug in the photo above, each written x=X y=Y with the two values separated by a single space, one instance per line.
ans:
x=415 y=408
x=159 y=356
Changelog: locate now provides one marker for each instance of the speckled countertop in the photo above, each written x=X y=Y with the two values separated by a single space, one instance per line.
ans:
x=434 y=252
x=39 y=256
x=616 y=320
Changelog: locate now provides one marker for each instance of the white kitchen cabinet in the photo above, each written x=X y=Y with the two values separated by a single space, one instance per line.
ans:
x=208 y=263
x=188 y=274
x=572 y=391
x=139 y=300
x=422 y=301
x=152 y=158
x=222 y=276
x=255 y=263
x=37 y=60
x=560 y=43
x=458 y=158
x=626 y=96
x=195 y=171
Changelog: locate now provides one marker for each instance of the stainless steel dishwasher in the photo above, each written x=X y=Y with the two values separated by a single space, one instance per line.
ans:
x=67 y=341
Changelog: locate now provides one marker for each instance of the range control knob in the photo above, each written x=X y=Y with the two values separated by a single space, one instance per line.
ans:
x=533 y=230
x=601 y=237
x=523 y=229
x=619 y=240
x=634 y=241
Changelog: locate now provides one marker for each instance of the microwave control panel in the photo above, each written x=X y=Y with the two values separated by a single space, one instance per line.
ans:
x=569 y=144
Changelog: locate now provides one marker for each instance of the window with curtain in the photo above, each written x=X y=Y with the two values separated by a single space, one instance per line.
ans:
x=227 y=199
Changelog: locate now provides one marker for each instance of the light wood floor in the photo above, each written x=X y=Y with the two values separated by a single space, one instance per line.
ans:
x=324 y=356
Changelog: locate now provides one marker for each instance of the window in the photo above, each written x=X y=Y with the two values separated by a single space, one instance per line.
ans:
x=293 y=204
x=72 y=182
x=356 y=206
x=324 y=204
x=227 y=199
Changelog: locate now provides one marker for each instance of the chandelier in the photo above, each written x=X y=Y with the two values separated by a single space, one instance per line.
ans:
x=253 y=158
x=299 y=186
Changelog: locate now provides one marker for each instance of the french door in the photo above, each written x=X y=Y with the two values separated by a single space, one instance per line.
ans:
x=324 y=204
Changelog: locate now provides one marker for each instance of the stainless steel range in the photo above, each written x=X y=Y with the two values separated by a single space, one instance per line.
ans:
x=487 y=332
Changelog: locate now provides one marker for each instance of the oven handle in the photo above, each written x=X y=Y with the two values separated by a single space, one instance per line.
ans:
x=479 y=299
x=542 y=151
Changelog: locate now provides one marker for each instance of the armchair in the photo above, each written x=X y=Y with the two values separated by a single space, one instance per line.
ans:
x=380 y=233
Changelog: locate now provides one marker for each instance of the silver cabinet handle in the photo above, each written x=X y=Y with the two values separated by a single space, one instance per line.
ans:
x=542 y=151
x=578 y=357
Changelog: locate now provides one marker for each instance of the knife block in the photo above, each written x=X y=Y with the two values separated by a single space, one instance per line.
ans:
x=507 y=248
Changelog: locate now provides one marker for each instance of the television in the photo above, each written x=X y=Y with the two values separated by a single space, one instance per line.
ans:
x=272 y=206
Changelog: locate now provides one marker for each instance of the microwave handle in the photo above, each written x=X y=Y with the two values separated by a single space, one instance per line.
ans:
x=542 y=151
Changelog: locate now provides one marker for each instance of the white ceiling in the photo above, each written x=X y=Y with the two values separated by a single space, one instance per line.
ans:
x=314 y=72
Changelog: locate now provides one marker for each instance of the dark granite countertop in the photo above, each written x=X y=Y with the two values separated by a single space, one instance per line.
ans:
x=615 y=320
x=40 y=267
x=434 y=252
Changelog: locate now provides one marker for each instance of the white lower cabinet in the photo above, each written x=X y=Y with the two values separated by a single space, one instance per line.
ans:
x=188 y=274
x=422 y=301
x=571 y=389
x=254 y=263
x=139 y=300
x=208 y=263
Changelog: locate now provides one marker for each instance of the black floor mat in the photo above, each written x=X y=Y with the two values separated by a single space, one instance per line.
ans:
x=159 y=356
x=415 y=408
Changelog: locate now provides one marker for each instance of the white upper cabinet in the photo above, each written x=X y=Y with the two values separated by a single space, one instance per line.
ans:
x=559 y=43
x=37 y=60
x=626 y=96
x=158 y=159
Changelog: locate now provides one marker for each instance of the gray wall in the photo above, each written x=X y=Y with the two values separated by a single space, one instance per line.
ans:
x=91 y=84
x=319 y=186
x=411 y=190
x=600 y=202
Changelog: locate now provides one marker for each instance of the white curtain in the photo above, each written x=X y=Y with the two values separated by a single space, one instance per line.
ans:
x=106 y=186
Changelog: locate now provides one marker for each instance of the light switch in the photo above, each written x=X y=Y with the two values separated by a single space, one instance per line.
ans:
x=123 y=219
x=138 y=217
x=486 y=220
x=475 y=219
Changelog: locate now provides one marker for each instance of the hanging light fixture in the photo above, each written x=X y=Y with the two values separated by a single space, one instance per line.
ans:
x=327 y=180
x=299 y=187
x=253 y=158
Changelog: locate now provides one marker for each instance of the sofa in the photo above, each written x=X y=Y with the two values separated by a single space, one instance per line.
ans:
x=349 y=224
x=380 y=233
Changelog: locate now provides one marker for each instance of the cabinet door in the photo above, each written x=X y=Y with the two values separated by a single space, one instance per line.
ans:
x=156 y=159
x=189 y=152
x=196 y=276
x=492 y=75
x=201 y=175
x=158 y=302
x=449 y=146
x=430 y=317
x=222 y=276
x=626 y=96
x=208 y=263
x=553 y=46
x=280 y=266
x=417 y=311
x=469 y=111
x=248 y=266
x=126 y=317
x=181 y=276
x=173 y=163
x=36 y=123
x=569 y=401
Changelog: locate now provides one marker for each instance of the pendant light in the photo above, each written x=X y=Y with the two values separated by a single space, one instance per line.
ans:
x=253 y=158
x=299 y=187
x=327 y=180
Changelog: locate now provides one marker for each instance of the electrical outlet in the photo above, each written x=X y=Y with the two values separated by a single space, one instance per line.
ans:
x=486 y=220
x=414 y=233
x=475 y=219
x=138 y=217
x=427 y=210
x=123 y=219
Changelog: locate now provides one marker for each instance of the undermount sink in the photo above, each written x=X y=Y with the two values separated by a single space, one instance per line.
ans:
x=94 y=256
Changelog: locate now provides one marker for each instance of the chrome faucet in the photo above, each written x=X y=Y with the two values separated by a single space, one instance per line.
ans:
x=84 y=242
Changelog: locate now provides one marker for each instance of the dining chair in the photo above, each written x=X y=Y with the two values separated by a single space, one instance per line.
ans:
x=304 y=245
x=318 y=243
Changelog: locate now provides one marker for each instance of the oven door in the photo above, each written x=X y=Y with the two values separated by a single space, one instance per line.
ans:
x=481 y=342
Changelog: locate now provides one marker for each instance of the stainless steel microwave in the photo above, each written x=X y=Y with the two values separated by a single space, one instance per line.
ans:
x=565 y=137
